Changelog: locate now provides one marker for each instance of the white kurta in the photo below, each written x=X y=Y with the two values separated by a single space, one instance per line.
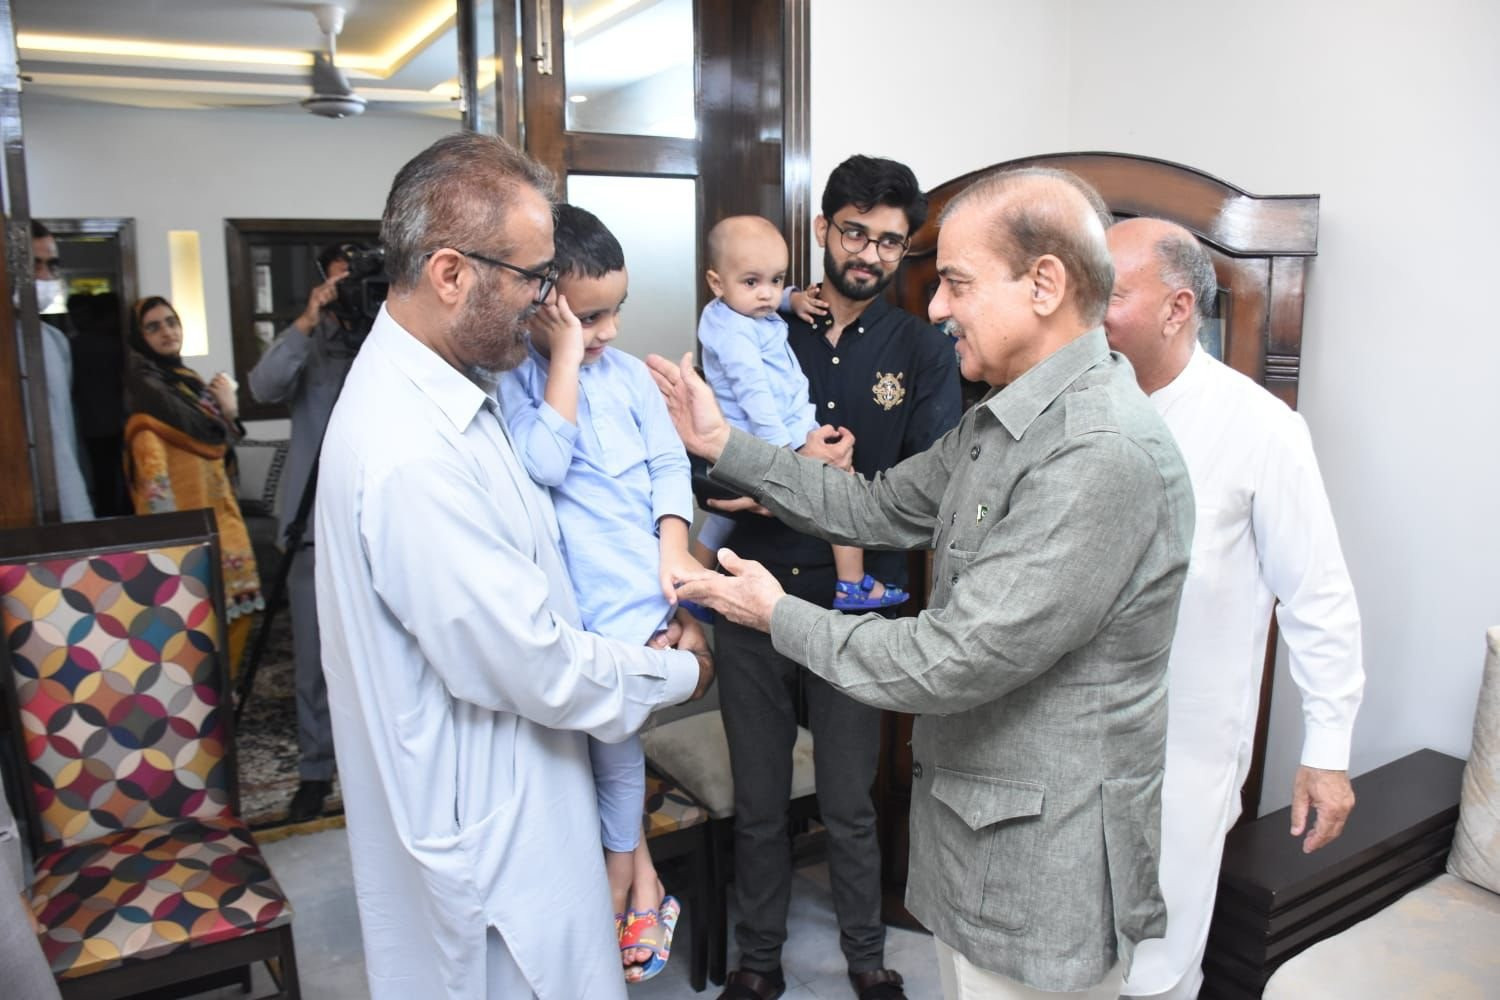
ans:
x=461 y=690
x=1264 y=534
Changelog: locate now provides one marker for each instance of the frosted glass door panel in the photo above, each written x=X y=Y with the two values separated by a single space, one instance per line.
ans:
x=655 y=220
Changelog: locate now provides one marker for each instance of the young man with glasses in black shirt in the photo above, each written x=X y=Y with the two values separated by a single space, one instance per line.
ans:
x=892 y=380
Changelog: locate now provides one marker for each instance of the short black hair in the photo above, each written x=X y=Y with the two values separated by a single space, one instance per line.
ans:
x=333 y=252
x=582 y=245
x=867 y=181
x=39 y=231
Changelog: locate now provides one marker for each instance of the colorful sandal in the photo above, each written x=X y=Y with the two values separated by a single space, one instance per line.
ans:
x=856 y=596
x=650 y=929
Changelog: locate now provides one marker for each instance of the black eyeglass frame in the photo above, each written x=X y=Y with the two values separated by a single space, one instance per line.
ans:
x=864 y=239
x=547 y=280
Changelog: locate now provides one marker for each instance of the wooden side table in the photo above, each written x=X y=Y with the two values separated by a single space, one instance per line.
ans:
x=1274 y=901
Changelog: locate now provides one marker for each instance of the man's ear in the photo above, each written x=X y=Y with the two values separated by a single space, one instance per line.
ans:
x=715 y=283
x=820 y=230
x=445 y=272
x=1049 y=284
x=1180 y=306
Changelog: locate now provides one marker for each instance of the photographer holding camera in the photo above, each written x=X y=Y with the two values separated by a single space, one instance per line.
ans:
x=305 y=369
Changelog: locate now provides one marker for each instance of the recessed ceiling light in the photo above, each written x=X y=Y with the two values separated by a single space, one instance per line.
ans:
x=578 y=98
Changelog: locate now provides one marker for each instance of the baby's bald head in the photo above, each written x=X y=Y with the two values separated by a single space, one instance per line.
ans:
x=741 y=233
x=747 y=262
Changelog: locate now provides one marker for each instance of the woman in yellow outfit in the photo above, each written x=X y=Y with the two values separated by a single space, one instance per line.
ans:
x=178 y=432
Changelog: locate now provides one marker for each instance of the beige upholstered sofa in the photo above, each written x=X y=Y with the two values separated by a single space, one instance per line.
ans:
x=1442 y=939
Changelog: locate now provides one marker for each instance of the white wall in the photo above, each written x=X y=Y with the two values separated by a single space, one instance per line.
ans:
x=655 y=220
x=194 y=169
x=1389 y=111
x=974 y=82
x=1386 y=109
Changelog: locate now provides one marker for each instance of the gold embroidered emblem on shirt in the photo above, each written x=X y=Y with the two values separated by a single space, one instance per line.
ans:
x=888 y=390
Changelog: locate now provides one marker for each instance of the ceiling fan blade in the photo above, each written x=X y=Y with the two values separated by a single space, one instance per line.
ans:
x=328 y=78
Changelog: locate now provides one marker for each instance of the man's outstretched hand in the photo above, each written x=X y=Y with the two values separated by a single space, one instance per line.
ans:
x=691 y=404
x=746 y=597
x=1330 y=795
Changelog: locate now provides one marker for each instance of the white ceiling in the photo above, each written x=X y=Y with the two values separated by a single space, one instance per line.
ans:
x=401 y=55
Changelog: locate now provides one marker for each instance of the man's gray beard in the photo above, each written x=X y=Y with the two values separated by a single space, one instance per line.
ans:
x=833 y=276
x=508 y=352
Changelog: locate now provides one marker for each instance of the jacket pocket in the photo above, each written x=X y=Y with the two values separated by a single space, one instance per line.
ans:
x=988 y=858
x=1132 y=846
x=948 y=567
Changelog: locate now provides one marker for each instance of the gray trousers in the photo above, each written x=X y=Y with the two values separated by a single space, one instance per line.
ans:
x=314 y=728
x=757 y=695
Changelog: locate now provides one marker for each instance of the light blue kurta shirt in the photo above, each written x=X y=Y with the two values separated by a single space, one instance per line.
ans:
x=755 y=376
x=461 y=688
x=613 y=477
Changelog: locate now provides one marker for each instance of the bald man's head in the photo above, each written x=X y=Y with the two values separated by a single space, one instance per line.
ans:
x=1164 y=287
x=1039 y=211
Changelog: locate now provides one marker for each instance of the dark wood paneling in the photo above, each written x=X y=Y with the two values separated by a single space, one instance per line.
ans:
x=740 y=73
x=796 y=131
x=17 y=501
x=24 y=329
x=630 y=155
x=1226 y=217
x=544 y=94
x=508 y=78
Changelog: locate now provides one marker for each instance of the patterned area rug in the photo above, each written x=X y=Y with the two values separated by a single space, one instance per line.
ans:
x=267 y=737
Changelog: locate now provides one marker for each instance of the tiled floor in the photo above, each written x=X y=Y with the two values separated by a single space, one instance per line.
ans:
x=314 y=870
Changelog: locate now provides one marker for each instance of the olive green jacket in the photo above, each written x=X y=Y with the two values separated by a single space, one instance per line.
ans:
x=1062 y=517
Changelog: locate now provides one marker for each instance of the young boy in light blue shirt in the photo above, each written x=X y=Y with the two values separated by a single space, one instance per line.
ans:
x=757 y=380
x=590 y=424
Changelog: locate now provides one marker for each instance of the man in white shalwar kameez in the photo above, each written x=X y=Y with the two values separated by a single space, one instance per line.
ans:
x=460 y=687
x=1264 y=534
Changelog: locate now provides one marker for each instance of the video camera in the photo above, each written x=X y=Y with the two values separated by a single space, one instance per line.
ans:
x=360 y=293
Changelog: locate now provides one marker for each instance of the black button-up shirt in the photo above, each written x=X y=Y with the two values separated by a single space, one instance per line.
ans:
x=893 y=380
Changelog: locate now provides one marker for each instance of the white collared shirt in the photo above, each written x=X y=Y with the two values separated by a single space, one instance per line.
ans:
x=461 y=689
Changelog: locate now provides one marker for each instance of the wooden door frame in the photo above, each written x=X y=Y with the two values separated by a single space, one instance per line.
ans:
x=28 y=490
x=239 y=235
x=122 y=230
x=752 y=116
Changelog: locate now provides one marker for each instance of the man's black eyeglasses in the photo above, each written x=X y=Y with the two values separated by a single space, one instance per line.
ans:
x=889 y=248
x=546 y=280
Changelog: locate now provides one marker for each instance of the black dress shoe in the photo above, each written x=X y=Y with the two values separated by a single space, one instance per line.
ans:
x=308 y=802
x=743 y=984
x=878 y=984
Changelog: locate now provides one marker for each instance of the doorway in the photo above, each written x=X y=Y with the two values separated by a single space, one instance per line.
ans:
x=661 y=117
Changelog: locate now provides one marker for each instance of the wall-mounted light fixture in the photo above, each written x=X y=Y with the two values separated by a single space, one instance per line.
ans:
x=186 y=259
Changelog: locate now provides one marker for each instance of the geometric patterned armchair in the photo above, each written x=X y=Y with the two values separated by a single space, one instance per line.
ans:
x=117 y=700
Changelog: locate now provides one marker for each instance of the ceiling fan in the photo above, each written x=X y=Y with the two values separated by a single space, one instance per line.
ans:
x=332 y=96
